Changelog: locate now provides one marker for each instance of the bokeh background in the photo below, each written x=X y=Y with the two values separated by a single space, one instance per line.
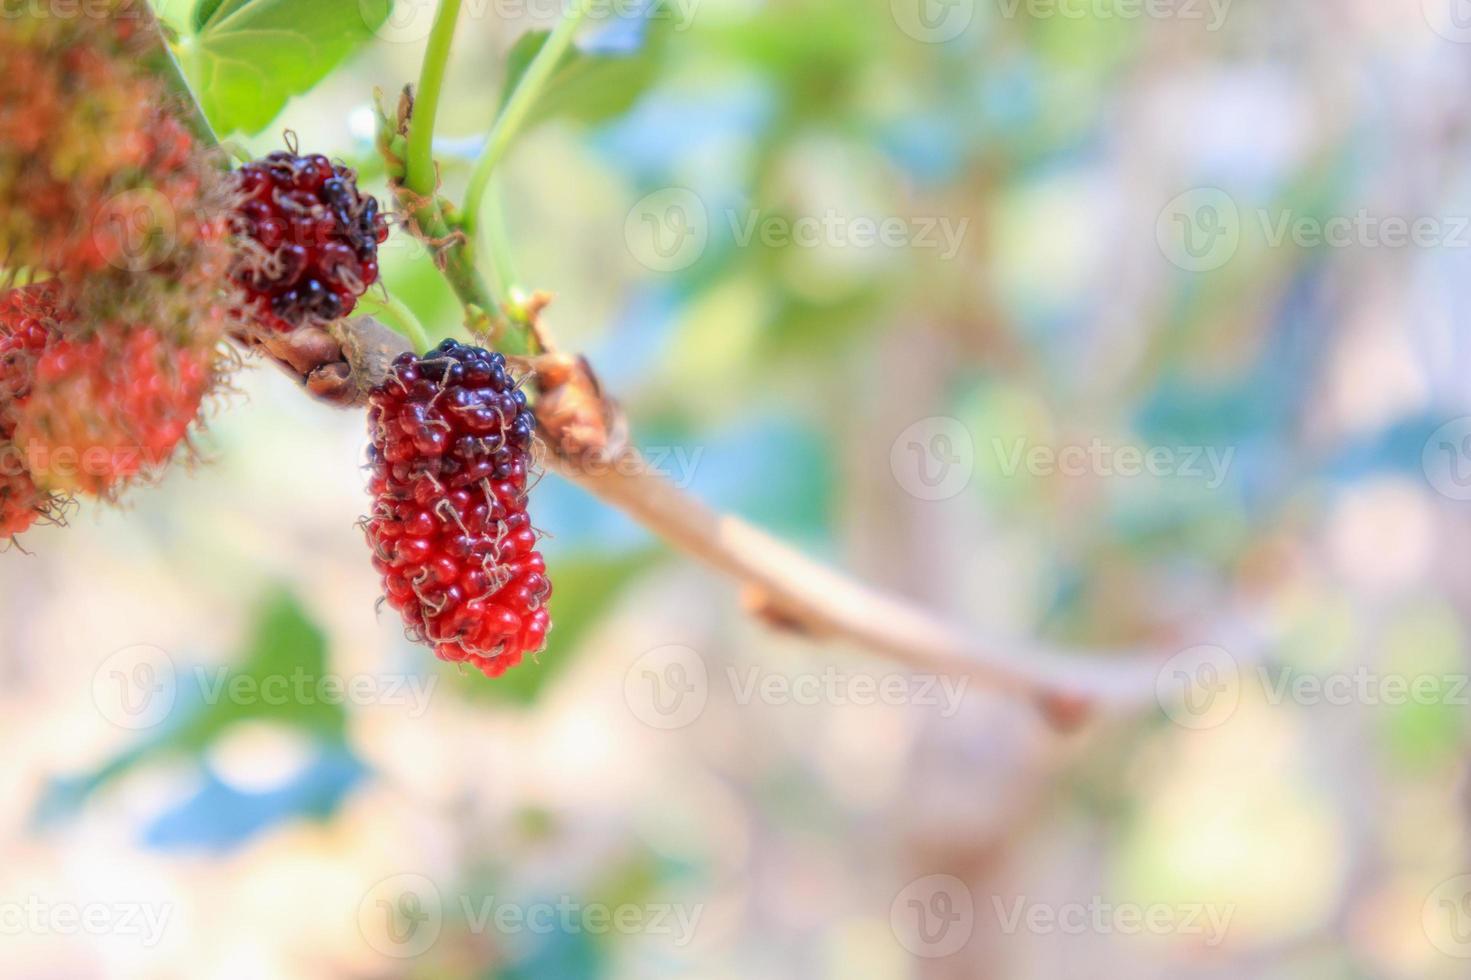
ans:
x=1098 y=321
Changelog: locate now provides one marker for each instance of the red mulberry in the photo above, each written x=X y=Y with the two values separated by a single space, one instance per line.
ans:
x=27 y=328
x=450 y=455
x=307 y=240
x=112 y=408
x=97 y=173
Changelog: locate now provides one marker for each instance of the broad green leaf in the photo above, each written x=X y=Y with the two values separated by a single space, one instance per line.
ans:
x=588 y=87
x=285 y=645
x=245 y=58
x=206 y=10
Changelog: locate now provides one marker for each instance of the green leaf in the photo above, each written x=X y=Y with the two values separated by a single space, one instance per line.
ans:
x=206 y=10
x=245 y=58
x=285 y=644
x=587 y=87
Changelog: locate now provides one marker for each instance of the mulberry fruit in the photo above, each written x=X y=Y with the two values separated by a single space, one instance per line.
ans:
x=97 y=172
x=450 y=457
x=26 y=330
x=306 y=240
x=111 y=409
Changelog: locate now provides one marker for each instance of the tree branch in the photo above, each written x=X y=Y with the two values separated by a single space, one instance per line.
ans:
x=584 y=433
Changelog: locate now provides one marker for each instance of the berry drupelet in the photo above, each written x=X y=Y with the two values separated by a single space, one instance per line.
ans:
x=27 y=329
x=450 y=456
x=307 y=240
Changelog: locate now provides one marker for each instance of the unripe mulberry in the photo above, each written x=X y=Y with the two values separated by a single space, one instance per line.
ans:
x=306 y=240
x=450 y=456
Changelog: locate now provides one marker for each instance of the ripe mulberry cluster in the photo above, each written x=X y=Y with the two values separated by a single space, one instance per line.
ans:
x=106 y=198
x=26 y=329
x=97 y=172
x=122 y=404
x=450 y=457
x=306 y=239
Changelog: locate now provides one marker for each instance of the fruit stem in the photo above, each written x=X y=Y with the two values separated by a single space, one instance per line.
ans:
x=498 y=245
x=517 y=108
x=162 y=61
x=404 y=320
x=419 y=170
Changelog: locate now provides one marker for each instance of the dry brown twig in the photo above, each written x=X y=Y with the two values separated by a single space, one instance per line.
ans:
x=588 y=445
